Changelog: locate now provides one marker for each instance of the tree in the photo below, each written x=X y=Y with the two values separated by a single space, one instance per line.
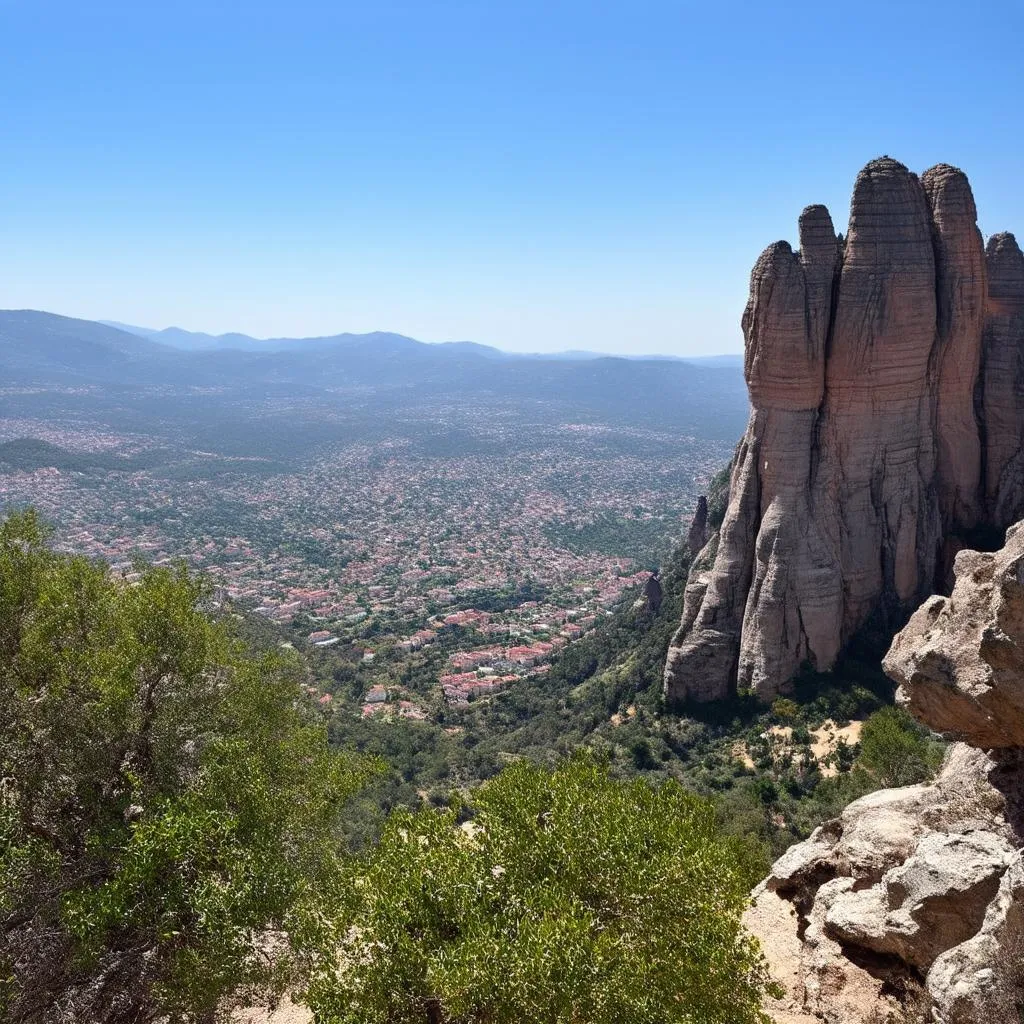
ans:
x=569 y=897
x=167 y=804
x=894 y=748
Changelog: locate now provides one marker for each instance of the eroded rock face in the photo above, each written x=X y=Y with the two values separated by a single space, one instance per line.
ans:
x=865 y=461
x=959 y=661
x=960 y=310
x=1002 y=373
x=914 y=898
x=699 y=533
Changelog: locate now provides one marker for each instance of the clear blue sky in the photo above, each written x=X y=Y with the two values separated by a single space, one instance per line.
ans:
x=535 y=175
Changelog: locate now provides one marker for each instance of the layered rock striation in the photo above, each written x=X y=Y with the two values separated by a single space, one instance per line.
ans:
x=913 y=900
x=886 y=381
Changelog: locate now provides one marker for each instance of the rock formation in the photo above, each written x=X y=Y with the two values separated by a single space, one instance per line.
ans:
x=886 y=382
x=698 y=535
x=653 y=595
x=915 y=896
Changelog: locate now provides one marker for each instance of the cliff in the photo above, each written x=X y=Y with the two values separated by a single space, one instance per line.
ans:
x=886 y=383
x=911 y=905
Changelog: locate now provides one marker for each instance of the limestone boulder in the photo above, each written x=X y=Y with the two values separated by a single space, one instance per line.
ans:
x=910 y=905
x=935 y=900
x=906 y=900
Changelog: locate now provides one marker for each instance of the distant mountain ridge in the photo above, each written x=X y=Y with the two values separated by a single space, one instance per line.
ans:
x=198 y=341
x=381 y=371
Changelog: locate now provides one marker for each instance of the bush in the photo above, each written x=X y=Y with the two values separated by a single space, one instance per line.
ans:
x=569 y=897
x=641 y=755
x=785 y=710
x=895 y=749
x=165 y=801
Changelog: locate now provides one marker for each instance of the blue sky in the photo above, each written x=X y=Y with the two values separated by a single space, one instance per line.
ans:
x=532 y=175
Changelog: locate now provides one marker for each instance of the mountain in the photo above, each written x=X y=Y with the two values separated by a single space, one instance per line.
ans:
x=727 y=359
x=378 y=373
x=886 y=433
x=47 y=348
x=197 y=341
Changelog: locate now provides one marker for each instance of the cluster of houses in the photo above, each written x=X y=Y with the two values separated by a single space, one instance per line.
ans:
x=376 y=701
x=422 y=638
x=320 y=602
x=460 y=687
x=322 y=638
x=474 y=673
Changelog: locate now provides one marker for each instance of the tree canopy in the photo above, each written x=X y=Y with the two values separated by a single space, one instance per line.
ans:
x=567 y=898
x=172 y=842
x=166 y=801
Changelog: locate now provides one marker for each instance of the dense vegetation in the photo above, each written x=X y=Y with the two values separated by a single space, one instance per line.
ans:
x=568 y=896
x=604 y=692
x=176 y=836
x=164 y=797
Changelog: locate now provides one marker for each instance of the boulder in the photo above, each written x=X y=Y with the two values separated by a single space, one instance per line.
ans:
x=912 y=897
x=935 y=900
x=959 y=661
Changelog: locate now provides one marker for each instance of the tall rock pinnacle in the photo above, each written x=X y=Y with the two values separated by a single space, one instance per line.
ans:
x=1003 y=379
x=872 y=451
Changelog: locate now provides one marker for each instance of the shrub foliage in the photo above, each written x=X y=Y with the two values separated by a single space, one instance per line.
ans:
x=567 y=897
x=165 y=802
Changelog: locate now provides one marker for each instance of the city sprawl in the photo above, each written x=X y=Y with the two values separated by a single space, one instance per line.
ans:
x=443 y=571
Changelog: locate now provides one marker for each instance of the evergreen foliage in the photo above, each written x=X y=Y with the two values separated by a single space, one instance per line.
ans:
x=896 y=749
x=568 y=897
x=165 y=802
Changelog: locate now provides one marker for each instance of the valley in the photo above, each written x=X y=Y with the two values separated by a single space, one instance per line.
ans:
x=445 y=544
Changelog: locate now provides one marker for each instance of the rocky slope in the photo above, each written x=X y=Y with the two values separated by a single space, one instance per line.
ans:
x=910 y=907
x=886 y=382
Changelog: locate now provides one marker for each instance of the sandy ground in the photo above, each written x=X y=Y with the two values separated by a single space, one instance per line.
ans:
x=824 y=741
x=740 y=752
x=286 y=1013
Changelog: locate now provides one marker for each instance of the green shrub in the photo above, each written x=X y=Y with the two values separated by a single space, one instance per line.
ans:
x=569 y=897
x=166 y=800
x=896 y=750
x=785 y=710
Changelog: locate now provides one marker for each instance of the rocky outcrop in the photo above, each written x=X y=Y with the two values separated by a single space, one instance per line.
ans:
x=1003 y=370
x=914 y=898
x=960 y=293
x=959 y=661
x=698 y=534
x=654 y=594
x=875 y=365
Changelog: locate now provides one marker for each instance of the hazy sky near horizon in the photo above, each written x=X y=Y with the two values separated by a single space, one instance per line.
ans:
x=533 y=175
